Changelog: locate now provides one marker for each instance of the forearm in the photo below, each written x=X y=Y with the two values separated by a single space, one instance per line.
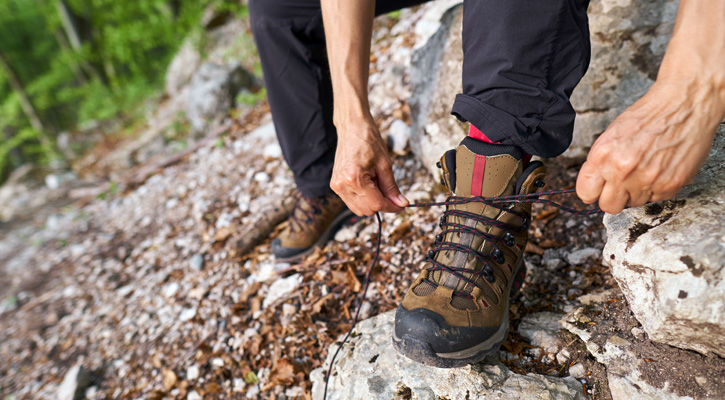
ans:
x=695 y=56
x=348 y=30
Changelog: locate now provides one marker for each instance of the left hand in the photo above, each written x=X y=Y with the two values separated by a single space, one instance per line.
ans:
x=653 y=149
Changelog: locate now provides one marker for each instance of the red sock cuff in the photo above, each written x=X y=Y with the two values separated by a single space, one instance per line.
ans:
x=475 y=133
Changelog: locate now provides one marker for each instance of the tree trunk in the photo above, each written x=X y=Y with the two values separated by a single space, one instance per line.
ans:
x=26 y=104
x=18 y=88
x=74 y=37
x=70 y=28
x=63 y=43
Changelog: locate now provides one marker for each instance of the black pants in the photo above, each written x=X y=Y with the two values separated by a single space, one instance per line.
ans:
x=522 y=59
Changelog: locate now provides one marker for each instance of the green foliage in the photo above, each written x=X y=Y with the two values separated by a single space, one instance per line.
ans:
x=118 y=60
x=249 y=98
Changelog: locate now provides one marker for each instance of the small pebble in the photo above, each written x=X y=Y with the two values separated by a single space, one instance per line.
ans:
x=192 y=372
x=577 y=371
x=197 y=262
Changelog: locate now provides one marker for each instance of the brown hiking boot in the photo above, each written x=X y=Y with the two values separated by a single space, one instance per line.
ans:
x=456 y=311
x=311 y=223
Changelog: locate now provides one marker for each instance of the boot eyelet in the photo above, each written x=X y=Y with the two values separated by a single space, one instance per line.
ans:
x=439 y=238
x=498 y=256
x=539 y=183
x=438 y=164
x=524 y=223
x=508 y=239
x=431 y=254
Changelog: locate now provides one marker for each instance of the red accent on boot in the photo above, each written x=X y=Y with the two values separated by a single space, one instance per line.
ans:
x=479 y=169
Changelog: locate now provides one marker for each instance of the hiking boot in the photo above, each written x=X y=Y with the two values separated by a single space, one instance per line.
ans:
x=456 y=311
x=311 y=223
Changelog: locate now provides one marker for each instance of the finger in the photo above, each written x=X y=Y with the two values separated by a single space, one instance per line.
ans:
x=389 y=188
x=589 y=184
x=639 y=197
x=372 y=197
x=613 y=198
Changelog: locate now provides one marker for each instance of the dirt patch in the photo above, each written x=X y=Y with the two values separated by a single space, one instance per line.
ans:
x=685 y=372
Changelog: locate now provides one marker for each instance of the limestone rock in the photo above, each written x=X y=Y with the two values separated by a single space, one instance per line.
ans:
x=74 y=384
x=182 y=67
x=669 y=260
x=368 y=367
x=636 y=367
x=212 y=91
x=628 y=40
x=542 y=329
x=435 y=79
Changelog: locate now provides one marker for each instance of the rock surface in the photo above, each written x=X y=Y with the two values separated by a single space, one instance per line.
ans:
x=636 y=367
x=368 y=367
x=435 y=79
x=182 y=68
x=628 y=40
x=74 y=383
x=669 y=260
x=212 y=91
x=542 y=330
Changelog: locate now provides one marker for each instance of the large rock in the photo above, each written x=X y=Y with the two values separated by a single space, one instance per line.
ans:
x=74 y=384
x=435 y=79
x=212 y=91
x=669 y=260
x=628 y=41
x=182 y=67
x=368 y=367
x=636 y=367
x=628 y=38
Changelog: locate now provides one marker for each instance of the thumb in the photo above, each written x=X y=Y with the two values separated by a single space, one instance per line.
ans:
x=387 y=185
x=589 y=184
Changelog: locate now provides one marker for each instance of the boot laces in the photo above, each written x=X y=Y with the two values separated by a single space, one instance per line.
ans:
x=486 y=271
x=305 y=211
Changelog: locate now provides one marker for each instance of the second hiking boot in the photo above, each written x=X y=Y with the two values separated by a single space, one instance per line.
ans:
x=456 y=312
x=311 y=223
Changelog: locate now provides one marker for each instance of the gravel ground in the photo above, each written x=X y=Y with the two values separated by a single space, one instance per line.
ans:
x=141 y=290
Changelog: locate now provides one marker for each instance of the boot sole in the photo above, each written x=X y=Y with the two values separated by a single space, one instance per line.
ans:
x=422 y=352
x=344 y=218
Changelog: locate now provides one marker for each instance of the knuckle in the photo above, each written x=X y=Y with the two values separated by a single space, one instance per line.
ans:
x=625 y=163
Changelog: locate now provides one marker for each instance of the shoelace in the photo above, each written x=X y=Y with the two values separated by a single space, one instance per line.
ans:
x=308 y=214
x=502 y=203
x=453 y=200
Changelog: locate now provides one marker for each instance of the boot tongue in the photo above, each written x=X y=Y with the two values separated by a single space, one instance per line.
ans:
x=484 y=169
x=475 y=169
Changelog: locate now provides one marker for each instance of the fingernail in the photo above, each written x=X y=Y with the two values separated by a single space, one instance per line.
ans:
x=402 y=200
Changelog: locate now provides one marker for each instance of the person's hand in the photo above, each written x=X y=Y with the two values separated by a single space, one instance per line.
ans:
x=363 y=173
x=653 y=149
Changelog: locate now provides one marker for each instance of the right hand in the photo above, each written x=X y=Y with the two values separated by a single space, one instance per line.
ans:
x=363 y=173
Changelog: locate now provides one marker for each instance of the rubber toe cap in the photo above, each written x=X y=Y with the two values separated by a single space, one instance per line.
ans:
x=427 y=326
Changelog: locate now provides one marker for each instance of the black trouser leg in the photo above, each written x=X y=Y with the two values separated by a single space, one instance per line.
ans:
x=290 y=40
x=522 y=59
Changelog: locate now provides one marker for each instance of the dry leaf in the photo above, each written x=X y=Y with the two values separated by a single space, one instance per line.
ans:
x=400 y=231
x=222 y=234
x=317 y=307
x=169 y=379
x=213 y=387
x=532 y=248
x=352 y=282
x=284 y=372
